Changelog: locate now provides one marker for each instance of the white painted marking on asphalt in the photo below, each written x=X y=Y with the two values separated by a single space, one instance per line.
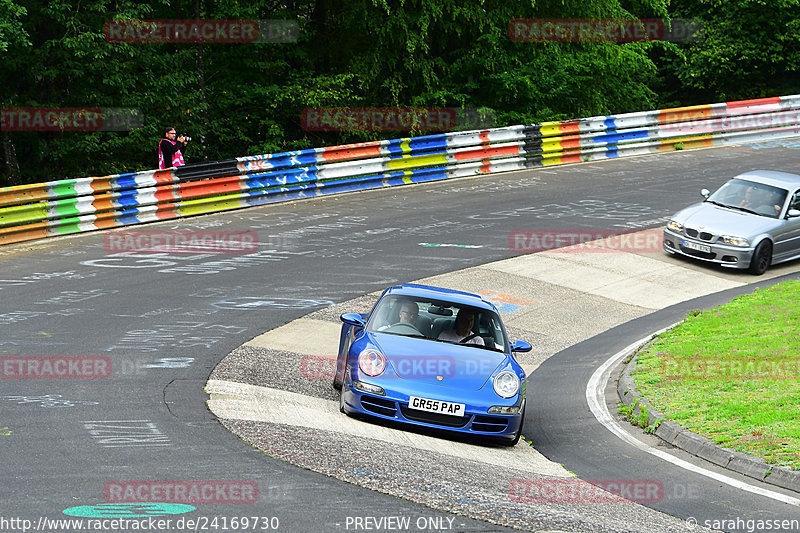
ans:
x=595 y=396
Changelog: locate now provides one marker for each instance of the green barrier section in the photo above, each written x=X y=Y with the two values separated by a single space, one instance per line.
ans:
x=23 y=214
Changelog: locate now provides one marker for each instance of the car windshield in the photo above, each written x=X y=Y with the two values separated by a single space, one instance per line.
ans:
x=751 y=197
x=438 y=321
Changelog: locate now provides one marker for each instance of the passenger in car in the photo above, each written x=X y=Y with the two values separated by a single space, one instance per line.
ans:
x=465 y=319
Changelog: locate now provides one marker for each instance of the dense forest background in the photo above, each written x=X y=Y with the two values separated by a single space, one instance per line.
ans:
x=247 y=99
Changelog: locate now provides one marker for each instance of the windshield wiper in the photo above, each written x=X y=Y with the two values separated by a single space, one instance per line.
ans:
x=740 y=208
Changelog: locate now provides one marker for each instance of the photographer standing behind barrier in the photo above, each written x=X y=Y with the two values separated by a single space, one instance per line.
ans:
x=169 y=150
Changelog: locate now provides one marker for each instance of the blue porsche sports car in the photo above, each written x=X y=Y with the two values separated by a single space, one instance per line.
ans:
x=433 y=357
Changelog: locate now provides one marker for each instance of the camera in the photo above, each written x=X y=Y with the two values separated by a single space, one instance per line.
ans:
x=186 y=138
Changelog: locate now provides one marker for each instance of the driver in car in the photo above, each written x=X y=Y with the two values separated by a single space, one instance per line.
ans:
x=408 y=313
x=758 y=200
x=465 y=319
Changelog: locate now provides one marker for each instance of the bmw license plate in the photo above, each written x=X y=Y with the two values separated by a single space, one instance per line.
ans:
x=436 y=406
x=694 y=246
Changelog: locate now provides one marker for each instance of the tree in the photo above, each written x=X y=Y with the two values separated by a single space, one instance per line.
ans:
x=747 y=49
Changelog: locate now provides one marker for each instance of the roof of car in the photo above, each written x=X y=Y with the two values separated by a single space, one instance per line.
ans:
x=439 y=293
x=771 y=177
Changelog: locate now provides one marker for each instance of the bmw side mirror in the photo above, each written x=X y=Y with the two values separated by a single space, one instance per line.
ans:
x=521 y=346
x=793 y=213
x=705 y=193
x=354 y=319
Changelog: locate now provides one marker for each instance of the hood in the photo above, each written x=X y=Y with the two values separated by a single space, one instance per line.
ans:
x=724 y=221
x=426 y=360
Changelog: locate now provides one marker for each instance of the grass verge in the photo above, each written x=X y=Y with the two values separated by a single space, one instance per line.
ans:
x=732 y=374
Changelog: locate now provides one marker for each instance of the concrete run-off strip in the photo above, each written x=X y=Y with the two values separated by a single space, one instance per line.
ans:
x=622 y=277
x=294 y=337
x=261 y=404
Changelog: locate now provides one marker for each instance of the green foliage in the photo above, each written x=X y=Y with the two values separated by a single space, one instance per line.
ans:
x=245 y=99
x=11 y=31
x=747 y=49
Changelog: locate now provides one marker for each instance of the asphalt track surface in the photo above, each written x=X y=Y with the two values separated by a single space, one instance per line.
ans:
x=164 y=322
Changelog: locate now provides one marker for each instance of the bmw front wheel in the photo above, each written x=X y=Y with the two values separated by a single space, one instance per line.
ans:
x=762 y=257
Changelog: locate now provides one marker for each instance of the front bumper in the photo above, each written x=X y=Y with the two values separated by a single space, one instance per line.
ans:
x=722 y=254
x=394 y=406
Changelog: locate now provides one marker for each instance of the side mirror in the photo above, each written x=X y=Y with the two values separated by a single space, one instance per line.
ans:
x=354 y=319
x=793 y=213
x=705 y=193
x=521 y=346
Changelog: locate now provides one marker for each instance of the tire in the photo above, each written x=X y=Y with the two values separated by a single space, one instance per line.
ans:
x=762 y=257
x=341 y=401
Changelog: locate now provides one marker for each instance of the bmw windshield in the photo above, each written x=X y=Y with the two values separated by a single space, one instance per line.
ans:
x=750 y=197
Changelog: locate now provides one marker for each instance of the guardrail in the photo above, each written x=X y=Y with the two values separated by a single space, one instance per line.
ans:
x=70 y=206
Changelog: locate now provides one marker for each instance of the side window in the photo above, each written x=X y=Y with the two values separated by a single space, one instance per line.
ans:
x=795 y=204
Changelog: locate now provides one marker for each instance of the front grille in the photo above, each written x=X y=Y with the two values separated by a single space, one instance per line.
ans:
x=379 y=405
x=702 y=235
x=434 y=418
x=489 y=424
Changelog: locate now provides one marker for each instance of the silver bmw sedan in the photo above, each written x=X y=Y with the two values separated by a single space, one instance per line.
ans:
x=751 y=222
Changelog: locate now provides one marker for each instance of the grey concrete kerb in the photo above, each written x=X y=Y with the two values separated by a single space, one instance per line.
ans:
x=680 y=437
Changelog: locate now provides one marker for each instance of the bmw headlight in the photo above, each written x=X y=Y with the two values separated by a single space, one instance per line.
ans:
x=733 y=240
x=371 y=362
x=506 y=384
x=677 y=227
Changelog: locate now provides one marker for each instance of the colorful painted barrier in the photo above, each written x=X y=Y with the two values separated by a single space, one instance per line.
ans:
x=65 y=207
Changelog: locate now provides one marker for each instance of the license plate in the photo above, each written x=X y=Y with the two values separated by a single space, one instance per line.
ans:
x=436 y=406
x=699 y=247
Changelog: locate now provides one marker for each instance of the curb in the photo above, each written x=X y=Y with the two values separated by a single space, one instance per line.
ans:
x=697 y=445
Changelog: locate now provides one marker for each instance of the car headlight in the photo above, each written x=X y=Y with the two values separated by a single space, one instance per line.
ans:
x=371 y=362
x=733 y=240
x=675 y=226
x=506 y=384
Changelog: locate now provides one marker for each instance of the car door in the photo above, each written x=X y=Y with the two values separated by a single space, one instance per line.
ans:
x=787 y=237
